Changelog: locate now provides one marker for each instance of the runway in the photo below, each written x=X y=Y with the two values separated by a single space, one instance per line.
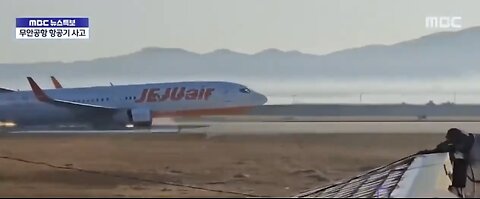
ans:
x=241 y=127
x=253 y=128
x=133 y=131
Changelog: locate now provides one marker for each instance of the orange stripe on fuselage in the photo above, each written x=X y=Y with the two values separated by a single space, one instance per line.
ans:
x=204 y=112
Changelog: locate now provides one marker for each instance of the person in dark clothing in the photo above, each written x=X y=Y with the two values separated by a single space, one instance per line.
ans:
x=456 y=140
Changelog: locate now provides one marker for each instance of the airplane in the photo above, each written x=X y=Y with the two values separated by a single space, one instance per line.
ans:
x=57 y=84
x=106 y=107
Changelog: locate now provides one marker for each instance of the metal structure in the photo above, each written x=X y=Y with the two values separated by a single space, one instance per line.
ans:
x=414 y=176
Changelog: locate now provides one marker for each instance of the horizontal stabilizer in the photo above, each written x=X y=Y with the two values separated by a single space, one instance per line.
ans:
x=4 y=90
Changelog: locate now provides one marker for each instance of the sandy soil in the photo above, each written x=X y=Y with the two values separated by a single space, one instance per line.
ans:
x=266 y=165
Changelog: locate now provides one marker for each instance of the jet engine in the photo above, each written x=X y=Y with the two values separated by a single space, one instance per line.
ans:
x=139 y=117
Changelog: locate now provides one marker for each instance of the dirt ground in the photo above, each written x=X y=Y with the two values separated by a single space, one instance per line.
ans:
x=260 y=165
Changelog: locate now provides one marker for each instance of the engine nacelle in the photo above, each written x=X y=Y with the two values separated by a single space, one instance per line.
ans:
x=137 y=117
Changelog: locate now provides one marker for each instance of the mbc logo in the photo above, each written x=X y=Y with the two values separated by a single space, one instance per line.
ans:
x=443 y=22
x=174 y=94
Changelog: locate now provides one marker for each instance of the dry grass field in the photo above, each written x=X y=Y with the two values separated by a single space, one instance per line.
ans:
x=266 y=165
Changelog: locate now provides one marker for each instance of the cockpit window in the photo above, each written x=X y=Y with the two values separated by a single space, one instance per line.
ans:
x=245 y=90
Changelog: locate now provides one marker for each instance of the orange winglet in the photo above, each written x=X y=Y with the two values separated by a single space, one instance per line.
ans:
x=41 y=96
x=56 y=83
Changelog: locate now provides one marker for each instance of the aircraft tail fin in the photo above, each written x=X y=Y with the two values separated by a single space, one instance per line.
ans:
x=41 y=96
x=55 y=82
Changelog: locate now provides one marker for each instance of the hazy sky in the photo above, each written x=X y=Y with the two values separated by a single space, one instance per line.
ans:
x=313 y=26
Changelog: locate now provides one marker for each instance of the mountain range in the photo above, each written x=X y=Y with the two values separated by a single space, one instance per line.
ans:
x=439 y=55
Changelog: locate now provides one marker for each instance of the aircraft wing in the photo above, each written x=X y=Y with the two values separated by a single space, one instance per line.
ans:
x=42 y=96
x=5 y=90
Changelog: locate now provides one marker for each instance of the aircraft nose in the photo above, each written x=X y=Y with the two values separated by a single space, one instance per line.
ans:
x=262 y=98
